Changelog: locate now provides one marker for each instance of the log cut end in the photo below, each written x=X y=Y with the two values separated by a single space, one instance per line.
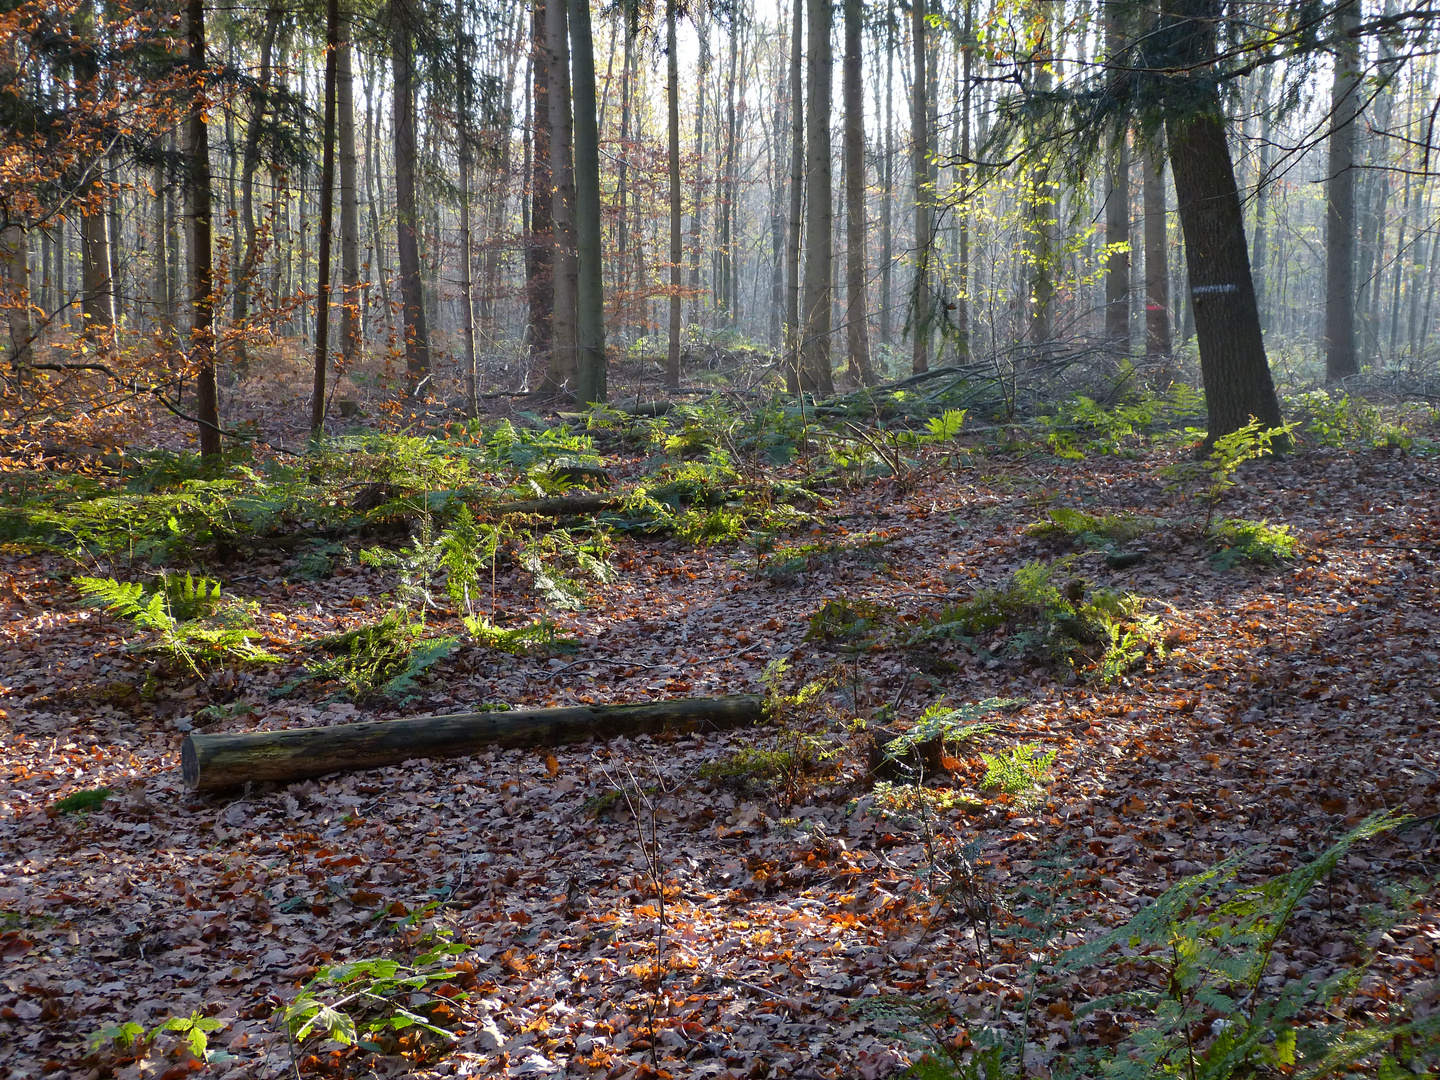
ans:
x=190 y=764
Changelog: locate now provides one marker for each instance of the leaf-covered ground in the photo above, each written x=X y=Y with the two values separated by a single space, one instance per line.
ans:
x=1294 y=701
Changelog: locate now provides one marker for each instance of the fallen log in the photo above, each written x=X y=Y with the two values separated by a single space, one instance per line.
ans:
x=211 y=762
x=589 y=502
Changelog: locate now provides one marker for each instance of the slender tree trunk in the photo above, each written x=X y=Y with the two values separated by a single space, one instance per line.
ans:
x=920 y=167
x=887 y=204
x=259 y=104
x=1157 y=266
x=1340 y=358
x=815 y=364
x=677 y=251
x=563 y=368
x=778 y=145
x=162 y=303
x=412 y=290
x=1262 y=201
x=697 y=216
x=1234 y=368
x=467 y=284
x=962 y=210
x=351 y=324
x=540 y=246
x=857 y=263
x=197 y=190
x=327 y=207
x=1117 y=212
x=378 y=270
x=15 y=296
x=590 y=291
x=793 y=333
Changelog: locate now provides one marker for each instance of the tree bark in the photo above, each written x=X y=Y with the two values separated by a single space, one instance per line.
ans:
x=202 y=332
x=467 y=281
x=412 y=290
x=1340 y=358
x=15 y=296
x=561 y=375
x=540 y=244
x=677 y=249
x=351 y=324
x=1117 y=231
x=815 y=365
x=1157 y=265
x=920 y=170
x=1261 y=247
x=215 y=762
x=590 y=290
x=1234 y=368
x=857 y=262
x=327 y=214
x=259 y=102
x=793 y=334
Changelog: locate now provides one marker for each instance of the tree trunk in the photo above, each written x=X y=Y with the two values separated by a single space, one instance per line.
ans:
x=920 y=170
x=962 y=211
x=327 y=207
x=202 y=331
x=590 y=291
x=1340 y=358
x=857 y=263
x=540 y=244
x=1157 y=266
x=15 y=295
x=467 y=283
x=697 y=216
x=793 y=333
x=1117 y=214
x=561 y=376
x=379 y=270
x=214 y=762
x=412 y=291
x=887 y=205
x=1233 y=364
x=815 y=365
x=1261 y=246
x=351 y=325
x=162 y=303
x=677 y=250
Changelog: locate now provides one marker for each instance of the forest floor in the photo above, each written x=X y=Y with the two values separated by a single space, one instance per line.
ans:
x=803 y=930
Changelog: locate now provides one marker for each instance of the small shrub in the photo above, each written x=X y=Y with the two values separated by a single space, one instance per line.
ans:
x=224 y=636
x=541 y=636
x=1083 y=530
x=81 y=801
x=1037 y=619
x=846 y=620
x=1021 y=773
x=1336 y=418
x=382 y=659
x=1256 y=542
x=784 y=565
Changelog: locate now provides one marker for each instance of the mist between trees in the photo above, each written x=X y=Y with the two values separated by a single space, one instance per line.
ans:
x=507 y=198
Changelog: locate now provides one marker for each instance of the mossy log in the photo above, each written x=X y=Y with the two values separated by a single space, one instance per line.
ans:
x=212 y=762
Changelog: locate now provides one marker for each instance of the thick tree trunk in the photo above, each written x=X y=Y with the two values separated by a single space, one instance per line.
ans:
x=815 y=367
x=590 y=290
x=407 y=232
x=215 y=762
x=327 y=207
x=197 y=190
x=351 y=325
x=793 y=332
x=677 y=249
x=920 y=170
x=857 y=262
x=561 y=375
x=1235 y=370
x=1340 y=358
